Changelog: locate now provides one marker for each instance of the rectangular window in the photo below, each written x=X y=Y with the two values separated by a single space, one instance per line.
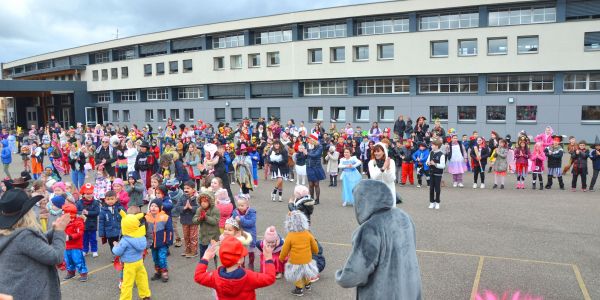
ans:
x=162 y=114
x=188 y=114
x=439 y=48
x=95 y=75
x=231 y=41
x=521 y=15
x=187 y=65
x=235 y=61
x=124 y=72
x=448 y=84
x=174 y=113
x=273 y=59
x=467 y=47
x=527 y=44
x=449 y=21
x=361 y=53
x=497 y=46
x=219 y=63
x=149 y=115
x=101 y=57
x=591 y=41
x=467 y=114
x=173 y=67
x=103 y=98
x=495 y=114
x=219 y=114
x=148 y=70
x=329 y=87
x=385 y=51
x=128 y=96
x=313 y=32
x=315 y=56
x=126 y=116
x=361 y=114
x=236 y=114
x=438 y=113
x=338 y=114
x=385 y=114
x=379 y=25
x=315 y=114
x=273 y=36
x=274 y=112
x=114 y=73
x=104 y=74
x=254 y=113
x=520 y=83
x=338 y=54
x=157 y=94
x=186 y=93
x=115 y=116
x=160 y=68
x=124 y=54
x=254 y=60
x=382 y=86
x=576 y=82
x=526 y=113
x=590 y=113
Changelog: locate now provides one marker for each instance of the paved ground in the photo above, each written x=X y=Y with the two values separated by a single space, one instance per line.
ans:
x=542 y=242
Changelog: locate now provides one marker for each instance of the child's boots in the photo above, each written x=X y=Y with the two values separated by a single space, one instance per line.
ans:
x=165 y=275
x=157 y=275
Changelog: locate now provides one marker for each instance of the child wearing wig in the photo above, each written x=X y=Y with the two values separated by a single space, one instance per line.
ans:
x=299 y=245
x=537 y=158
x=521 y=158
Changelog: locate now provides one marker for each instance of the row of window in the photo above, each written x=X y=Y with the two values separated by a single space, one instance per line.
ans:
x=495 y=46
x=254 y=61
x=173 y=67
x=154 y=94
x=114 y=73
x=464 y=114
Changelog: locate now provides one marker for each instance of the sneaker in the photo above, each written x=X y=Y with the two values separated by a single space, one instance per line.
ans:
x=418 y=186
x=314 y=279
x=502 y=186
x=273 y=197
x=156 y=276
x=437 y=206
x=455 y=184
x=307 y=287
x=278 y=276
x=69 y=276
x=298 y=292
x=431 y=205
x=344 y=204
x=191 y=255
x=591 y=190
x=573 y=190
x=495 y=187
x=482 y=186
x=95 y=254
x=120 y=283
x=83 y=277
x=85 y=253
x=474 y=185
x=280 y=199
x=460 y=185
x=584 y=190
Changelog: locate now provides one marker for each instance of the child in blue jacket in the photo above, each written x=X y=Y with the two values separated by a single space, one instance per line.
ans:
x=90 y=208
x=109 y=220
x=420 y=157
x=595 y=157
x=6 y=157
x=160 y=237
x=246 y=217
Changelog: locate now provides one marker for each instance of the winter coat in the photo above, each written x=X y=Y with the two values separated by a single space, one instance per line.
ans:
x=145 y=161
x=304 y=204
x=109 y=221
x=332 y=161
x=123 y=198
x=130 y=249
x=81 y=162
x=180 y=172
x=225 y=211
x=554 y=156
x=521 y=155
x=501 y=163
x=383 y=263
x=484 y=153
x=247 y=222
x=159 y=230
x=186 y=216
x=420 y=157
x=193 y=160
x=6 y=154
x=109 y=153
x=136 y=193
x=93 y=209
x=28 y=258
x=175 y=196
x=209 y=225
x=579 y=162
x=399 y=128
x=242 y=286
x=74 y=232
x=595 y=157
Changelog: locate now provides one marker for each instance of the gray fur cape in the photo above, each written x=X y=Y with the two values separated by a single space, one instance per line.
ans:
x=383 y=263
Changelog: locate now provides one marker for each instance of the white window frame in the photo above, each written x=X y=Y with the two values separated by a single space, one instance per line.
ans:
x=235 y=61
x=101 y=57
x=356 y=50
x=157 y=94
x=333 y=56
x=487 y=120
x=358 y=109
x=271 y=56
x=228 y=41
x=381 y=110
x=431 y=45
x=312 y=56
x=383 y=86
x=219 y=63
x=587 y=79
x=149 y=118
x=521 y=15
x=314 y=112
x=505 y=39
x=324 y=88
x=455 y=84
x=335 y=113
x=188 y=114
x=126 y=115
x=190 y=92
x=526 y=121
x=537 y=50
x=273 y=36
x=525 y=83
x=443 y=21
x=458 y=118
x=325 y=31
x=162 y=112
x=129 y=96
x=251 y=59
x=174 y=114
x=380 y=51
x=378 y=25
x=460 y=50
x=103 y=98
x=597 y=121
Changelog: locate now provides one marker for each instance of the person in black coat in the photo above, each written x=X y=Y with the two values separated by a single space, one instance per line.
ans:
x=479 y=156
x=400 y=127
x=106 y=155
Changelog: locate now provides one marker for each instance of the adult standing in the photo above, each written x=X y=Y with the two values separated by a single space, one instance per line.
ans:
x=26 y=254
x=77 y=161
x=217 y=162
x=382 y=167
x=350 y=176
x=145 y=164
x=383 y=263
x=106 y=155
x=420 y=130
x=400 y=127
x=278 y=159
x=314 y=168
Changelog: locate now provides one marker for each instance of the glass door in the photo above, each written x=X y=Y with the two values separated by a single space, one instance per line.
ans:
x=90 y=116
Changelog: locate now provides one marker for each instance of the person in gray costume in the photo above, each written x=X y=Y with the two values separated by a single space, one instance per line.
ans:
x=383 y=263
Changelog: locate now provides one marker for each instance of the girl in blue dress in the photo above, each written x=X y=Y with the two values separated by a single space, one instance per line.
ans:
x=350 y=176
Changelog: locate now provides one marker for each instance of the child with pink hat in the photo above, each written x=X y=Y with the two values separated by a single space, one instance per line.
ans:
x=119 y=187
x=272 y=238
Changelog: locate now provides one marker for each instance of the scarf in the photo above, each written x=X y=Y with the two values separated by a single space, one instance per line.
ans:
x=379 y=163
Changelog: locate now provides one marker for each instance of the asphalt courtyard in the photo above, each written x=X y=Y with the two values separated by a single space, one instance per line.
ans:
x=544 y=243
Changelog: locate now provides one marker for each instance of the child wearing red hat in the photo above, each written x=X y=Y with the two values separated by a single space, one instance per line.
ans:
x=230 y=281
x=90 y=208
x=74 y=259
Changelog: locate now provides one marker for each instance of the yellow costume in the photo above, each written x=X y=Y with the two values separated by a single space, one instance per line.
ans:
x=134 y=271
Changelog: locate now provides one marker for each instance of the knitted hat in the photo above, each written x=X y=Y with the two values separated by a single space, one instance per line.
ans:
x=231 y=251
x=222 y=196
x=271 y=234
x=132 y=174
x=163 y=189
x=87 y=188
x=60 y=185
x=158 y=203
x=69 y=209
x=118 y=181
x=300 y=191
x=58 y=201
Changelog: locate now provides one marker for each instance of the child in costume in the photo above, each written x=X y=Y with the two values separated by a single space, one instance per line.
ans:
x=436 y=162
x=109 y=220
x=160 y=237
x=130 y=250
x=74 y=258
x=176 y=195
x=231 y=281
x=350 y=175
x=300 y=164
x=408 y=164
x=255 y=157
x=299 y=245
x=54 y=207
x=521 y=161
x=275 y=241
x=595 y=157
x=225 y=207
x=232 y=228
x=500 y=166
x=246 y=216
x=579 y=158
x=554 y=153
x=186 y=209
x=537 y=164
x=457 y=159
x=479 y=156
x=332 y=158
x=420 y=157
x=102 y=184
x=90 y=208
x=207 y=218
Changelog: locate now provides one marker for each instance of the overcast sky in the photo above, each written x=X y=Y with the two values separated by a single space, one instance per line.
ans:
x=30 y=27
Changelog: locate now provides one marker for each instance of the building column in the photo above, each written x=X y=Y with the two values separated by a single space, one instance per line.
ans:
x=349 y=27
x=247 y=91
x=295 y=89
x=206 y=91
x=483 y=16
x=412 y=85
x=350 y=86
x=559 y=79
x=168 y=46
x=561 y=10
x=248 y=40
x=296 y=32
x=412 y=22
x=481 y=84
